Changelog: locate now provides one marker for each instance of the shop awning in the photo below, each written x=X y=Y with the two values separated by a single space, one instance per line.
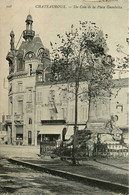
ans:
x=51 y=129
x=53 y=122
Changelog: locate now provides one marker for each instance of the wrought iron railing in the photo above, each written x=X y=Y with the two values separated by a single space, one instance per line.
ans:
x=28 y=32
x=110 y=149
x=8 y=117
x=99 y=150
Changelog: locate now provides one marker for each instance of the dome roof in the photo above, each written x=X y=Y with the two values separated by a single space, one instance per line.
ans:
x=29 y=17
x=33 y=46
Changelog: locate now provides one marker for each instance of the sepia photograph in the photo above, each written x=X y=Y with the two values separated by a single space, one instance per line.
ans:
x=64 y=101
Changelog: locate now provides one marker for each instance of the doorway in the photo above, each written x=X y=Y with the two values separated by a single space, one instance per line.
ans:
x=29 y=137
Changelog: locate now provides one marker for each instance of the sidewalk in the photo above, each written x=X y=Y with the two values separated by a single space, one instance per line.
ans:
x=101 y=169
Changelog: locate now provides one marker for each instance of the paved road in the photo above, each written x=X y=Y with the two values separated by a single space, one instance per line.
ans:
x=11 y=151
x=18 y=180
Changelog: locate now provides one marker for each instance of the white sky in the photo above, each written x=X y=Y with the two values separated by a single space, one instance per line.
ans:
x=48 y=22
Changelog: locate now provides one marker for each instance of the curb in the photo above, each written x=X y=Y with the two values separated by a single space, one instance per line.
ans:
x=103 y=184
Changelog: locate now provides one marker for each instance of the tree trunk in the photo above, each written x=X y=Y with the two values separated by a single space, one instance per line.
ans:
x=89 y=109
x=75 y=125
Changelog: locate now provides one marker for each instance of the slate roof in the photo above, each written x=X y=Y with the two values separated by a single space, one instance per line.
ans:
x=34 y=45
x=40 y=67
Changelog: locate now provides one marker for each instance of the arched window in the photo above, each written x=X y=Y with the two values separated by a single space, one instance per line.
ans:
x=40 y=53
x=30 y=121
x=29 y=55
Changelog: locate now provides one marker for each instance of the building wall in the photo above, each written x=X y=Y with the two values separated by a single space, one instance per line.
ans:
x=23 y=101
x=52 y=102
x=56 y=103
x=60 y=107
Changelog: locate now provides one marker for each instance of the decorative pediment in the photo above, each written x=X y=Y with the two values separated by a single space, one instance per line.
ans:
x=29 y=107
x=20 y=97
x=20 y=55
x=18 y=122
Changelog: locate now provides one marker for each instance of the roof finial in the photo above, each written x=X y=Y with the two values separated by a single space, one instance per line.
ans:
x=12 y=35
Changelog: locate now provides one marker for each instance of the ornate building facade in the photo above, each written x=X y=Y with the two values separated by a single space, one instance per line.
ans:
x=26 y=67
x=37 y=109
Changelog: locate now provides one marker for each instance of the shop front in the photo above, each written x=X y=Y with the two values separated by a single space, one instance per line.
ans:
x=51 y=130
x=19 y=134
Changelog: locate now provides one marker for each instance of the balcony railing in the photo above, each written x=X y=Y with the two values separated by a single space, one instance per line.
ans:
x=8 y=117
x=28 y=33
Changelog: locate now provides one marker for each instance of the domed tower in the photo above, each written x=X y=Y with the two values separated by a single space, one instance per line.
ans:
x=28 y=34
x=26 y=71
x=11 y=55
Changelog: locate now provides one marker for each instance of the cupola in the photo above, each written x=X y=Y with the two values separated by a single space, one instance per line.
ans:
x=28 y=34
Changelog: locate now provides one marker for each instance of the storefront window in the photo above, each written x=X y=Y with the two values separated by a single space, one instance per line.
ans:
x=19 y=133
